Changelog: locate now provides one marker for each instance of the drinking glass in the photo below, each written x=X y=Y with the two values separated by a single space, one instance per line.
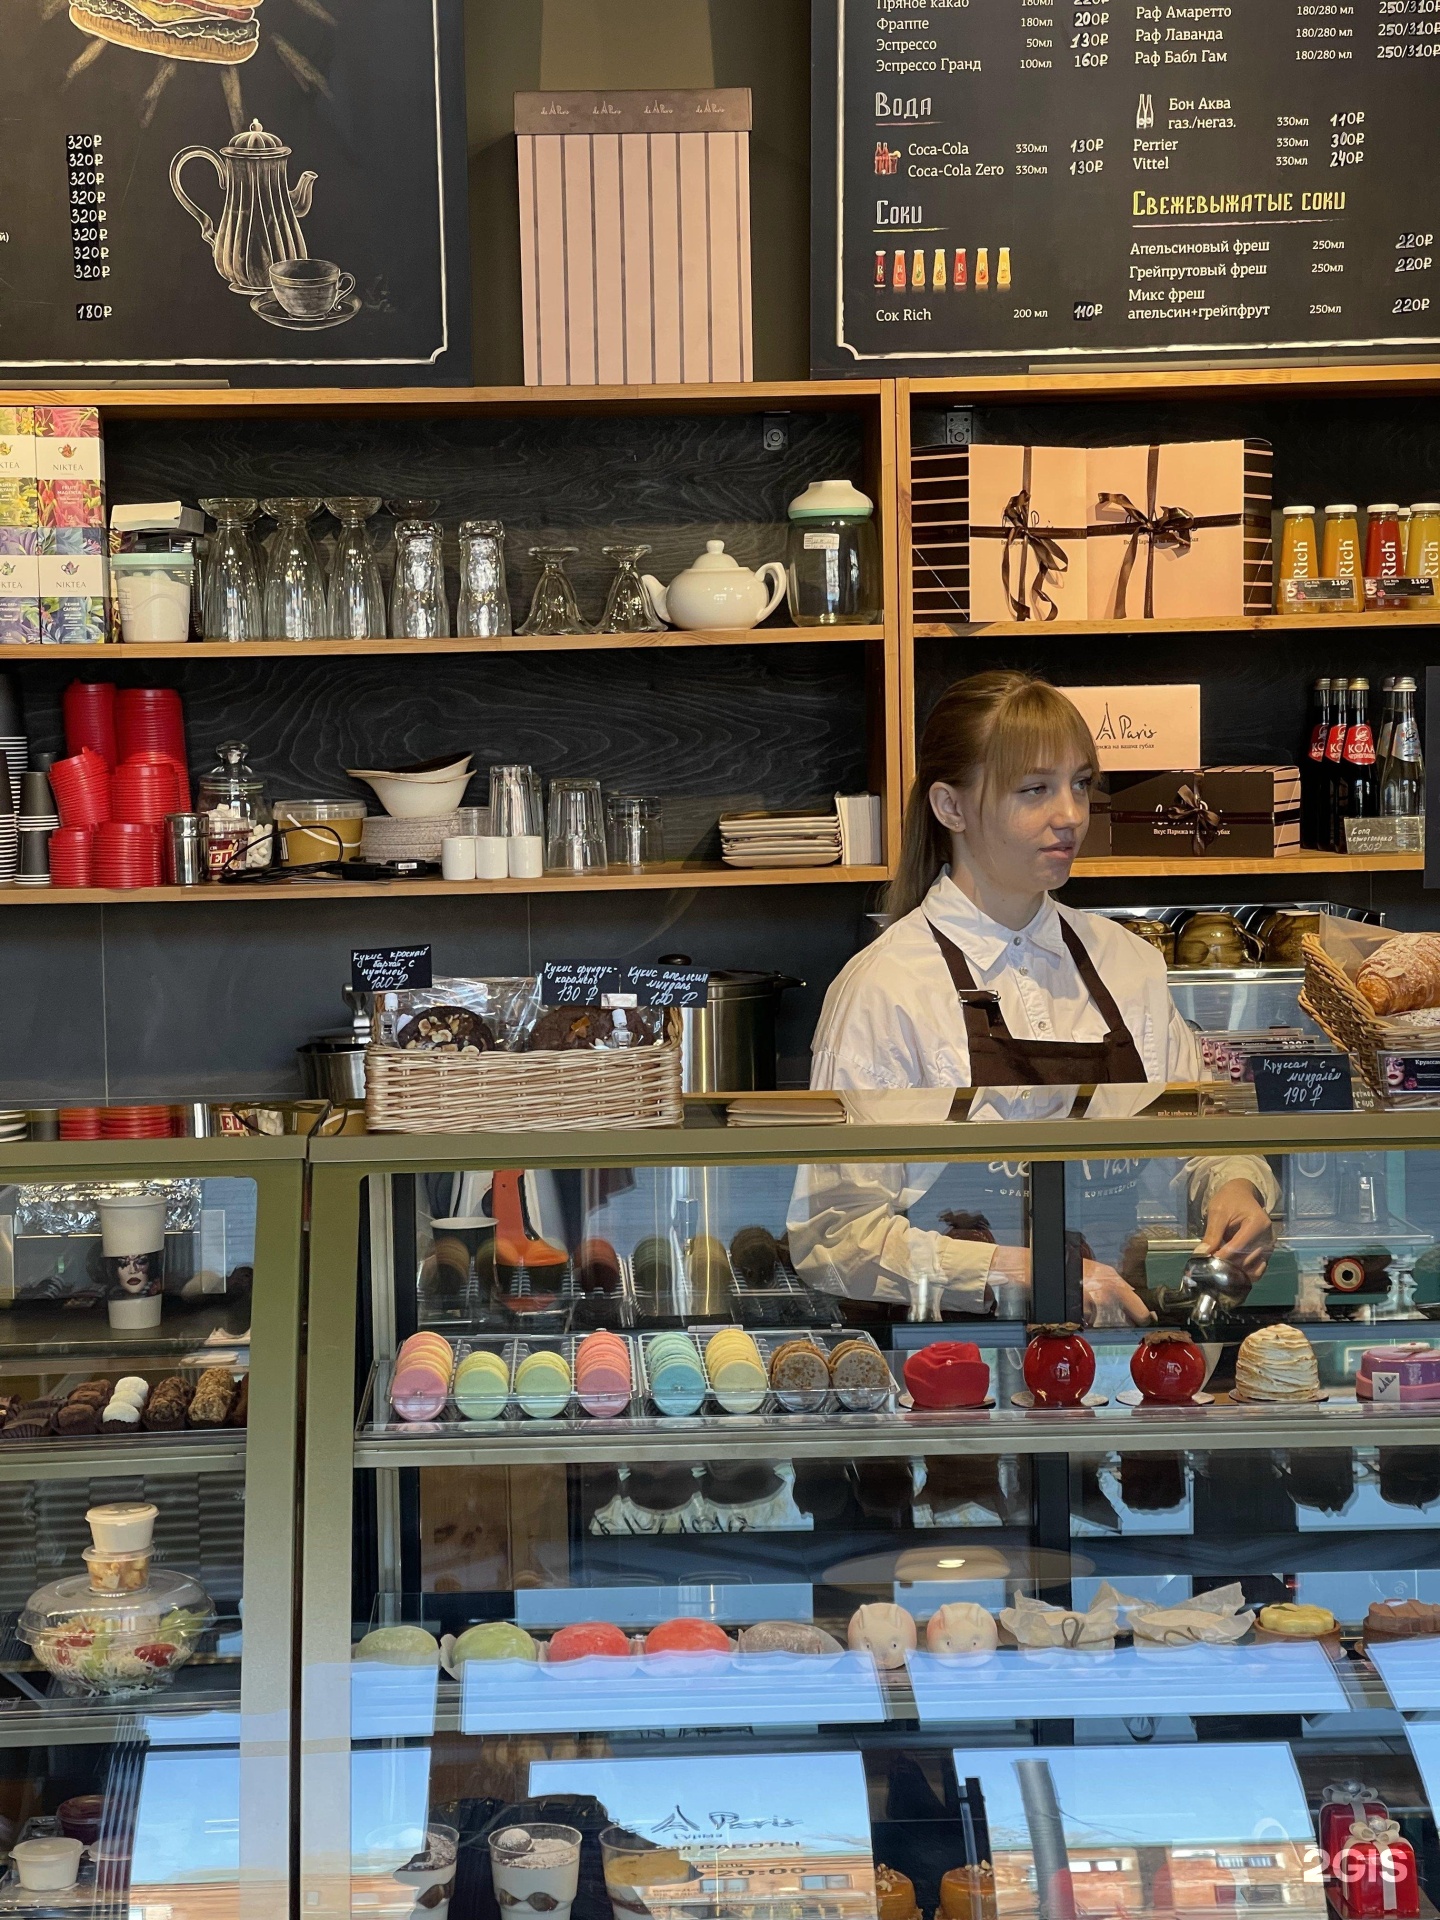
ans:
x=553 y=609
x=294 y=579
x=355 y=604
x=484 y=608
x=419 y=609
x=575 y=837
x=628 y=608
x=230 y=599
x=515 y=801
x=634 y=829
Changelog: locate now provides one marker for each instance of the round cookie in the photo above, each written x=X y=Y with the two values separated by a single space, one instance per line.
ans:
x=543 y=1384
x=446 y=1030
x=482 y=1385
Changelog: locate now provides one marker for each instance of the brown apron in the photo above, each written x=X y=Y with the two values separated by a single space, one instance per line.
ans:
x=998 y=1059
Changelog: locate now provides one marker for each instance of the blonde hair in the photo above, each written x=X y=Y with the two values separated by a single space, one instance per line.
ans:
x=990 y=730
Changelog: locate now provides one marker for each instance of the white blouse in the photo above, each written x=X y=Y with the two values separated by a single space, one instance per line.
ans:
x=892 y=1021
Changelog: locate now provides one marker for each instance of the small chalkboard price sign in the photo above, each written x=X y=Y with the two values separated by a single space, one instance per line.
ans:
x=385 y=969
x=1303 y=1083
x=579 y=983
x=668 y=986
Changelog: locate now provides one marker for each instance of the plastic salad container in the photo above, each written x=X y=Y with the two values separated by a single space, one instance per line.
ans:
x=115 y=1644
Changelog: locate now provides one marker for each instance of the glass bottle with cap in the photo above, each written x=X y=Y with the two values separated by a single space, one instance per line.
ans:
x=1298 y=559
x=1340 y=554
x=1422 y=550
x=239 y=832
x=1384 y=556
x=832 y=557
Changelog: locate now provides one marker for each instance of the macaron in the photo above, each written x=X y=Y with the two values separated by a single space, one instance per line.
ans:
x=602 y=1373
x=737 y=1373
x=421 y=1384
x=677 y=1379
x=482 y=1385
x=542 y=1384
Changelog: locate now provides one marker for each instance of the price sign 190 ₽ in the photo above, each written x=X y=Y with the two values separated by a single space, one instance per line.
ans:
x=1303 y=1083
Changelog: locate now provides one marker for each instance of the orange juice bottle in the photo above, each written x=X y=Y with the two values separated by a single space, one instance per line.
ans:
x=1298 y=559
x=1340 y=554
x=1422 y=552
x=982 y=266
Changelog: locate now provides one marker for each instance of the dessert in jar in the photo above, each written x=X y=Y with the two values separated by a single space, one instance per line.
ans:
x=1059 y=1366
x=1167 y=1367
x=121 y=1628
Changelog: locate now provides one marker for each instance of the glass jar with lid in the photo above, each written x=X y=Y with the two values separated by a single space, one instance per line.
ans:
x=832 y=557
x=233 y=800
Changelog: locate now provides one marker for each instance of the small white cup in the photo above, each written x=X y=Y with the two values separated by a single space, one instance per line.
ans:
x=492 y=856
x=128 y=1526
x=47 y=1865
x=134 y=1313
x=526 y=856
x=457 y=858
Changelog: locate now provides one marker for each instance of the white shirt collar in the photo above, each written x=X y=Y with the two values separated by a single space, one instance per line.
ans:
x=982 y=939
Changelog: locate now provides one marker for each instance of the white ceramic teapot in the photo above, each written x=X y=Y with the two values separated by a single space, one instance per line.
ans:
x=716 y=591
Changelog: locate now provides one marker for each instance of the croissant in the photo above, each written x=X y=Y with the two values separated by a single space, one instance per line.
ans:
x=1402 y=975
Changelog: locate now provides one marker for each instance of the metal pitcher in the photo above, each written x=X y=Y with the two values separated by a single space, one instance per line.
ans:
x=259 y=223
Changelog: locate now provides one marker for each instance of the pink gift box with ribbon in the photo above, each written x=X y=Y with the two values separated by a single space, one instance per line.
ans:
x=1027 y=534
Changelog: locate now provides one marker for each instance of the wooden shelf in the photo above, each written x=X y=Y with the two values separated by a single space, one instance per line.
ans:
x=222 y=650
x=1297 y=624
x=201 y=398
x=1118 y=867
x=1150 y=378
x=668 y=877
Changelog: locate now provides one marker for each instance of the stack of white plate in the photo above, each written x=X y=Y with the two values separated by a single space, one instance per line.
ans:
x=779 y=839
x=14 y=1123
x=382 y=838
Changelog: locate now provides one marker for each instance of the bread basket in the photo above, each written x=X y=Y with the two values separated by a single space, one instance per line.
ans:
x=413 y=1091
x=1332 y=1000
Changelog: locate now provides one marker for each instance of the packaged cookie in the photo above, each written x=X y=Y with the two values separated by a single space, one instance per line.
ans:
x=591 y=1029
x=459 y=1016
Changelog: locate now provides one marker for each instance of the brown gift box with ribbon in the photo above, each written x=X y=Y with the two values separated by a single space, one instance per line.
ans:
x=1027 y=533
x=1179 y=531
x=1241 y=813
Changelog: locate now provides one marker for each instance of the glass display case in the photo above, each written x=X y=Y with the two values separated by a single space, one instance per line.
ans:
x=149 y=1361
x=807 y=1594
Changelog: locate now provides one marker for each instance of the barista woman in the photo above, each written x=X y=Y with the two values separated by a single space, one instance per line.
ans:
x=983 y=980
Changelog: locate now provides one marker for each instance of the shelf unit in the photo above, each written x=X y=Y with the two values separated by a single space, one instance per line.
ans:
x=217 y=652
x=1219 y=384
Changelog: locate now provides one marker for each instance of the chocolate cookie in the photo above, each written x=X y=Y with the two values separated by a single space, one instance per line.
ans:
x=577 y=1029
x=753 y=1254
x=446 y=1030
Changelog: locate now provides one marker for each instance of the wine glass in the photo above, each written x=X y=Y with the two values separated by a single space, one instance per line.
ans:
x=294 y=579
x=553 y=608
x=628 y=608
x=230 y=594
x=355 y=602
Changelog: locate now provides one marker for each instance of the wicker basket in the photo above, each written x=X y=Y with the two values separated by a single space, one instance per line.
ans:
x=1334 y=1003
x=419 y=1092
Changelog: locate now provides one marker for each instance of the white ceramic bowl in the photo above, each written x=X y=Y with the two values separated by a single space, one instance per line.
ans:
x=408 y=796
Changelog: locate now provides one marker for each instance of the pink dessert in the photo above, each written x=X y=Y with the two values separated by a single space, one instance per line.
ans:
x=1399 y=1373
x=587 y=1637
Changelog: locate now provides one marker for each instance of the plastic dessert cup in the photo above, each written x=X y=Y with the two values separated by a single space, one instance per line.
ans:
x=48 y=1865
x=125 y=1527
x=535 y=1865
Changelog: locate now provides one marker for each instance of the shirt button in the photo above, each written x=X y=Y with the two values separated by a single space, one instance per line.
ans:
x=1016 y=941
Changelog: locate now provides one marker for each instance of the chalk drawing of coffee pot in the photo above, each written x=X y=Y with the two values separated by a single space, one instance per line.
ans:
x=259 y=223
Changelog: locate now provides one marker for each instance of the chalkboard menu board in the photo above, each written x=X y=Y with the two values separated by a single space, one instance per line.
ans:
x=254 y=191
x=1032 y=183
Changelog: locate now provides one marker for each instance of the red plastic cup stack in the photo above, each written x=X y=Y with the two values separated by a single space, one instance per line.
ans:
x=145 y=790
x=80 y=1123
x=127 y=854
x=135 y=1123
x=81 y=786
x=149 y=720
x=72 y=857
x=89 y=711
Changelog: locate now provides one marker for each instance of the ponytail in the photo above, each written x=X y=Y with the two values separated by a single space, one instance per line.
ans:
x=986 y=733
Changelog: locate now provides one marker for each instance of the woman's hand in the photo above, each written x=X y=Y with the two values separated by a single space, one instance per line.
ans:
x=1238 y=1229
x=1109 y=1300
